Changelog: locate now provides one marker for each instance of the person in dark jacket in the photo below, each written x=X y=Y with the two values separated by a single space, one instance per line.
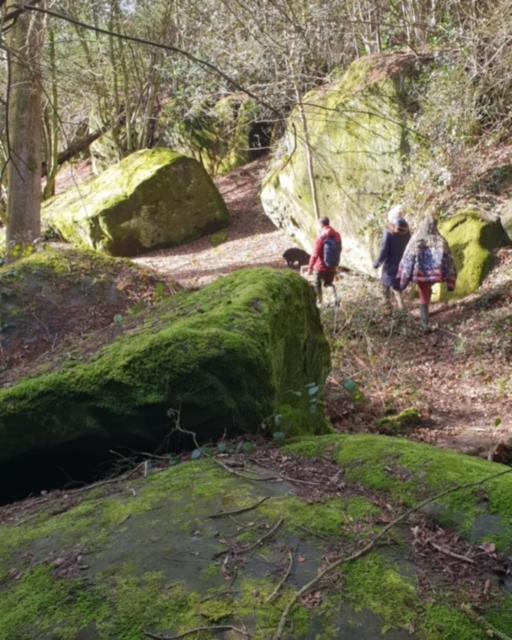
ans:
x=394 y=242
x=324 y=274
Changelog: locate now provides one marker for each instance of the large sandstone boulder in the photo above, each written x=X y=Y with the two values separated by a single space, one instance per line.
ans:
x=244 y=352
x=218 y=135
x=164 y=555
x=472 y=241
x=153 y=198
x=359 y=134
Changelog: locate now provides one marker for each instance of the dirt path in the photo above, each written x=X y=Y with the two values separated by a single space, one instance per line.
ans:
x=252 y=240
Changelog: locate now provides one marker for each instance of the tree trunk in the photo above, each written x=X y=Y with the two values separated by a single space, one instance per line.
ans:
x=25 y=40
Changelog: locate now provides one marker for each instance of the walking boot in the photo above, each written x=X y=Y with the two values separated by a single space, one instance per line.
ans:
x=424 y=321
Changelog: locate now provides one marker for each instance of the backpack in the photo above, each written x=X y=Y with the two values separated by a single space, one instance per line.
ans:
x=332 y=252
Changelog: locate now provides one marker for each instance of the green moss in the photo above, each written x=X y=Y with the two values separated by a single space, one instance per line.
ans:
x=152 y=198
x=252 y=606
x=218 y=238
x=216 y=135
x=373 y=584
x=409 y=472
x=224 y=357
x=41 y=604
x=395 y=425
x=472 y=241
x=443 y=622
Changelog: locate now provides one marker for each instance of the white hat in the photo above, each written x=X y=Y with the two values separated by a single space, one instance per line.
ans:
x=395 y=213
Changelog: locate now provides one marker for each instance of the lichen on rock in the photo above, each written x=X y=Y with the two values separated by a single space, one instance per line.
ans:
x=153 y=198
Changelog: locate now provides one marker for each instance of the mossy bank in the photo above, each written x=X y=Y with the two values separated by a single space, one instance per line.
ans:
x=151 y=556
x=63 y=291
x=244 y=354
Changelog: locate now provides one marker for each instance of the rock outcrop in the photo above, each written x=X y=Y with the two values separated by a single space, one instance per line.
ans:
x=163 y=555
x=153 y=198
x=358 y=129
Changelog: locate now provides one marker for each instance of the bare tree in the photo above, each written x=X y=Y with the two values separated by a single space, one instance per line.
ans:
x=25 y=34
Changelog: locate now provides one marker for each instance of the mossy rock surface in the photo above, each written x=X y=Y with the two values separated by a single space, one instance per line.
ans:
x=223 y=359
x=217 y=135
x=153 y=198
x=59 y=292
x=395 y=425
x=359 y=132
x=143 y=556
x=472 y=241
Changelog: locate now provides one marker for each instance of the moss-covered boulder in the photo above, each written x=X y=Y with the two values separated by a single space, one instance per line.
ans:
x=194 y=546
x=152 y=198
x=57 y=293
x=358 y=129
x=472 y=241
x=217 y=135
x=245 y=353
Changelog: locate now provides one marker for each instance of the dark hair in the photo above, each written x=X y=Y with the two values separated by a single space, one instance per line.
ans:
x=325 y=221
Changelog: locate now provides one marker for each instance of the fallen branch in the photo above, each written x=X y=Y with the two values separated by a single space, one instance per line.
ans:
x=263 y=538
x=179 y=428
x=490 y=630
x=283 y=579
x=370 y=545
x=451 y=554
x=235 y=512
x=252 y=546
x=190 y=632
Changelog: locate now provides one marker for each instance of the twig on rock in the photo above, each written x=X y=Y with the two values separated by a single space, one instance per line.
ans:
x=222 y=514
x=179 y=428
x=283 y=579
x=190 y=632
x=371 y=544
x=263 y=538
x=490 y=630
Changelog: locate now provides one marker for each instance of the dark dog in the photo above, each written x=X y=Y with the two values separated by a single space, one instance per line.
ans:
x=295 y=256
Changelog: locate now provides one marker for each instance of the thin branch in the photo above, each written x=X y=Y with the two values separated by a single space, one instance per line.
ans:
x=490 y=630
x=222 y=514
x=450 y=553
x=371 y=544
x=283 y=579
x=262 y=539
x=190 y=632
x=199 y=61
